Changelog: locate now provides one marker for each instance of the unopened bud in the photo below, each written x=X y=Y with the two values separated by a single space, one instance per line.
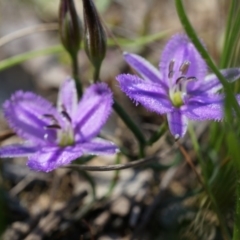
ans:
x=95 y=42
x=69 y=27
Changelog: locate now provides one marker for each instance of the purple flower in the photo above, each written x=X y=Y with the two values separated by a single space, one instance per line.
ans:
x=180 y=89
x=55 y=137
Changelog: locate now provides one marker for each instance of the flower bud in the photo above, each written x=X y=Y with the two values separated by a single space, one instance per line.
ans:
x=95 y=42
x=69 y=27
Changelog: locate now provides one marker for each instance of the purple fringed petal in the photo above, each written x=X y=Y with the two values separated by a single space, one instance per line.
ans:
x=50 y=158
x=93 y=111
x=205 y=107
x=99 y=146
x=17 y=150
x=211 y=84
x=25 y=115
x=67 y=97
x=150 y=95
x=177 y=123
x=180 y=49
x=144 y=68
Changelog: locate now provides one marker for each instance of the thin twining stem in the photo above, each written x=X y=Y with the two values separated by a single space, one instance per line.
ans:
x=27 y=31
x=133 y=164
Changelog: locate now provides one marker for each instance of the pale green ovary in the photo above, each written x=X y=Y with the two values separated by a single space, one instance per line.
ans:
x=66 y=137
x=176 y=99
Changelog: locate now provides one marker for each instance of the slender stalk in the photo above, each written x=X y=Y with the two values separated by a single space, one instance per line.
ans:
x=232 y=40
x=96 y=74
x=132 y=126
x=75 y=74
x=207 y=188
x=125 y=117
x=225 y=52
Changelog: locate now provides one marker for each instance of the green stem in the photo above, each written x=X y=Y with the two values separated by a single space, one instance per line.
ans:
x=192 y=35
x=132 y=126
x=96 y=74
x=141 y=150
x=75 y=74
x=207 y=188
x=225 y=53
x=236 y=230
x=126 y=118
x=162 y=129
x=230 y=49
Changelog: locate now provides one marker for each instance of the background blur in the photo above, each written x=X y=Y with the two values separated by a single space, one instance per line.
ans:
x=158 y=201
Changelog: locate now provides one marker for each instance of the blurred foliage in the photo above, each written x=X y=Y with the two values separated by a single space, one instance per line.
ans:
x=217 y=151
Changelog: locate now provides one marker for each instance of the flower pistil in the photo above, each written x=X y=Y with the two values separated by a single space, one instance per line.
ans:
x=64 y=131
x=178 y=88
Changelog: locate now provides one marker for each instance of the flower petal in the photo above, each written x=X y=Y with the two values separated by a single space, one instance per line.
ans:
x=180 y=49
x=177 y=123
x=150 y=95
x=205 y=107
x=67 y=98
x=50 y=158
x=144 y=68
x=99 y=146
x=25 y=114
x=17 y=150
x=93 y=111
x=211 y=84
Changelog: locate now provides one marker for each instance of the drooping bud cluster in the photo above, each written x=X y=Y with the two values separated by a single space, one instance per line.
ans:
x=70 y=27
x=95 y=42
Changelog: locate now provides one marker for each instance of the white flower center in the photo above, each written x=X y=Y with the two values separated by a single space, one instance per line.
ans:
x=65 y=135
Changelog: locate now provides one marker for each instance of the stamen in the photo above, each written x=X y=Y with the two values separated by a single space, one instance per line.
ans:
x=50 y=116
x=53 y=126
x=184 y=67
x=66 y=115
x=170 y=74
x=192 y=79
x=170 y=68
x=63 y=107
x=180 y=79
